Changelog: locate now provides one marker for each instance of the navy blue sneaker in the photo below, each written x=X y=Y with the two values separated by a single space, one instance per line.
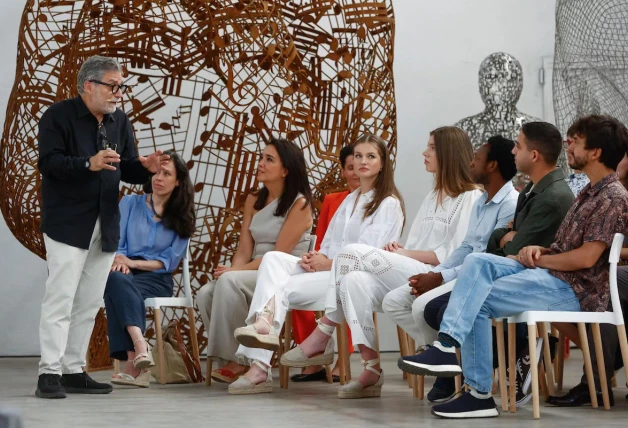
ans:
x=443 y=390
x=467 y=406
x=438 y=360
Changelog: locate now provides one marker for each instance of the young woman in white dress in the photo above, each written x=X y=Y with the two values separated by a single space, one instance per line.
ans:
x=362 y=274
x=371 y=215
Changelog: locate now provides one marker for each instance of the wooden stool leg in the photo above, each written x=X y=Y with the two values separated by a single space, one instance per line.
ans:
x=601 y=370
x=588 y=369
x=160 y=345
x=116 y=366
x=208 y=369
x=560 y=361
x=193 y=336
x=501 y=357
x=512 y=367
x=534 y=366
x=547 y=358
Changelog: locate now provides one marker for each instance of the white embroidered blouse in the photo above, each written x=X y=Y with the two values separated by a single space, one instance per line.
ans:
x=441 y=228
x=345 y=228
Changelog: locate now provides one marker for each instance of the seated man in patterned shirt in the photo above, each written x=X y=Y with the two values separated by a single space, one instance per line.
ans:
x=571 y=275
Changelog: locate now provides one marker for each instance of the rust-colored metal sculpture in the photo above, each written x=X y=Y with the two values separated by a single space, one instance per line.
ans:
x=213 y=80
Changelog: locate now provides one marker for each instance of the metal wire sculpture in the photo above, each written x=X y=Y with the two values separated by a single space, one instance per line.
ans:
x=500 y=81
x=590 y=72
x=213 y=80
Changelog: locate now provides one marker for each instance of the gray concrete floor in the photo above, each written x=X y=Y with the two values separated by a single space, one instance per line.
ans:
x=303 y=405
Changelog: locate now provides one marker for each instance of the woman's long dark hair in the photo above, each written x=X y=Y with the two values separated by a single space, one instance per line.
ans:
x=294 y=183
x=178 y=212
x=385 y=181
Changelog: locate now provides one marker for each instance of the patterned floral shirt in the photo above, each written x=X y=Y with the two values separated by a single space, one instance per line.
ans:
x=577 y=182
x=596 y=215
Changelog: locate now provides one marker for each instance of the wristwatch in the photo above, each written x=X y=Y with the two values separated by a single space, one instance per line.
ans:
x=87 y=164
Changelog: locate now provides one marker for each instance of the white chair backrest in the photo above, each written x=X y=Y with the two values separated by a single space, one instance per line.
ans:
x=618 y=242
x=312 y=242
x=185 y=271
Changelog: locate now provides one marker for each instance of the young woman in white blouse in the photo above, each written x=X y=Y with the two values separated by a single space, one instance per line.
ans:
x=364 y=274
x=371 y=215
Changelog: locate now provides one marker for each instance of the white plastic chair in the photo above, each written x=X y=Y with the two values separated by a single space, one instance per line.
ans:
x=581 y=318
x=186 y=301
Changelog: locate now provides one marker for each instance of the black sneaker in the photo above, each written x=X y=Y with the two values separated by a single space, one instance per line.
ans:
x=81 y=383
x=521 y=398
x=437 y=360
x=49 y=386
x=443 y=390
x=523 y=365
x=467 y=406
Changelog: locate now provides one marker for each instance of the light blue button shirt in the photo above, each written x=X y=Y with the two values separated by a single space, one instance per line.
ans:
x=485 y=218
x=141 y=236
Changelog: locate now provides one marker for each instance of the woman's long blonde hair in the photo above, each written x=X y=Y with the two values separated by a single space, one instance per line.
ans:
x=454 y=153
x=385 y=181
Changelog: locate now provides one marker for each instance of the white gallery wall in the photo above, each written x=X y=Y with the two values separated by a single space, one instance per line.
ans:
x=438 y=49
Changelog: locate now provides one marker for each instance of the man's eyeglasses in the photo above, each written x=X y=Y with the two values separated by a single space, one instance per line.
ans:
x=104 y=142
x=567 y=144
x=114 y=88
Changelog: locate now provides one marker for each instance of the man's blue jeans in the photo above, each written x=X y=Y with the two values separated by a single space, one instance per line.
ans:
x=492 y=287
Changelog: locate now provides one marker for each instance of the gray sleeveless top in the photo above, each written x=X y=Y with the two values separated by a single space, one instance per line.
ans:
x=265 y=228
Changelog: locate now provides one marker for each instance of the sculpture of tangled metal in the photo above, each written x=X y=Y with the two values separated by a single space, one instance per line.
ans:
x=590 y=60
x=501 y=83
x=214 y=80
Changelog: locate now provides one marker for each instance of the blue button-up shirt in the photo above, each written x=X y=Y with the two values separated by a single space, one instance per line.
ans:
x=141 y=236
x=485 y=218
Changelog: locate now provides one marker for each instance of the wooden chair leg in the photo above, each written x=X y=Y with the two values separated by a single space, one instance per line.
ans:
x=601 y=370
x=543 y=381
x=560 y=361
x=588 y=369
x=547 y=358
x=193 y=336
x=160 y=345
x=341 y=336
x=534 y=367
x=623 y=346
x=284 y=372
x=376 y=333
x=403 y=347
x=614 y=382
x=501 y=357
x=512 y=364
x=346 y=354
x=116 y=366
x=458 y=379
x=208 y=369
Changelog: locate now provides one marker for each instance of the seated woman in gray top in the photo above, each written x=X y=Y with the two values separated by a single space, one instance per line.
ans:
x=277 y=217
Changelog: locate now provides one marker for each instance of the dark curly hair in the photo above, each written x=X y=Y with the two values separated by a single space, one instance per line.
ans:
x=178 y=212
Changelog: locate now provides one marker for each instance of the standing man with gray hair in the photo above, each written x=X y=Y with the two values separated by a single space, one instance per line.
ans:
x=86 y=146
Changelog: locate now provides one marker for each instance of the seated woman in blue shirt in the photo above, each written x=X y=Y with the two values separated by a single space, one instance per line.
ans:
x=154 y=231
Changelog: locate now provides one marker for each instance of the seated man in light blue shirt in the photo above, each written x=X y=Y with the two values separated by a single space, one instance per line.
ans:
x=493 y=167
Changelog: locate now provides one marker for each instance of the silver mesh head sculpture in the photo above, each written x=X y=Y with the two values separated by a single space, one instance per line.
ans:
x=590 y=73
x=501 y=82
